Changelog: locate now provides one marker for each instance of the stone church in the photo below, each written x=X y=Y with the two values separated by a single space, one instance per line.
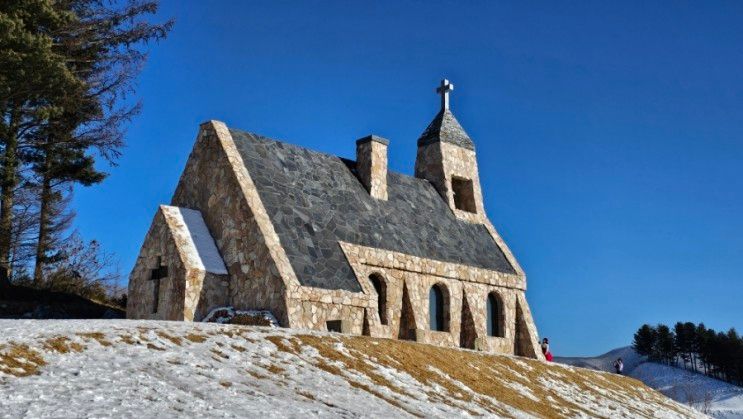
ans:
x=328 y=243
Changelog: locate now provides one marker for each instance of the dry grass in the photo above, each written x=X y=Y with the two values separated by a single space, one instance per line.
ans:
x=307 y=395
x=196 y=338
x=220 y=354
x=275 y=369
x=473 y=382
x=225 y=384
x=62 y=344
x=467 y=378
x=257 y=375
x=98 y=337
x=393 y=402
x=128 y=339
x=173 y=339
x=20 y=360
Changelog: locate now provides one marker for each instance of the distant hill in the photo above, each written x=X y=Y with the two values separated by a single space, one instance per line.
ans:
x=104 y=368
x=714 y=397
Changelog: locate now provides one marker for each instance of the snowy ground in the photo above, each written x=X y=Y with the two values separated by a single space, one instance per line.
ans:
x=120 y=368
x=714 y=397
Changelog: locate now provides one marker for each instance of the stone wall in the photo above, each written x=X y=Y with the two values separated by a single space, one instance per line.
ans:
x=416 y=276
x=212 y=182
x=159 y=244
x=188 y=292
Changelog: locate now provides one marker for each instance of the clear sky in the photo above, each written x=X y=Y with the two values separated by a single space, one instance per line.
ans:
x=609 y=136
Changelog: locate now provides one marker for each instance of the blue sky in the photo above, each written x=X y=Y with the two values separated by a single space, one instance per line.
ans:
x=609 y=134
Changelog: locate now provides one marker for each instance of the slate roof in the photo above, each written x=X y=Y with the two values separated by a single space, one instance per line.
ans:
x=315 y=200
x=446 y=128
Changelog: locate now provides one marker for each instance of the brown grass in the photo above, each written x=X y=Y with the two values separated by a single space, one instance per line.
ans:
x=225 y=384
x=220 y=353
x=62 y=344
x=128 y=339
x=196 y=338
x=393 y=402
x=306 y=394
x=20 y=360
x=98 y=337
x=173 y=339
x=275 y=369
x=154 y=347
x=256 y=375
x=468 y=378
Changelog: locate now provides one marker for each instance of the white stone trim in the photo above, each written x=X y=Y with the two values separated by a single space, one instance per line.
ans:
x=400 y=261
x=192 y=249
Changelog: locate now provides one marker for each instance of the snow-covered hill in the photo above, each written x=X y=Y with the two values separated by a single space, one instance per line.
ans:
x=119 y=368
x=714 y=397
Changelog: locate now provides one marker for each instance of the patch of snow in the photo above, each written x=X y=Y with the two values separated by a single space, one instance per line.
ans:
x=713 y=397
x=201 y=239
x=162 y=369
x=708 y=395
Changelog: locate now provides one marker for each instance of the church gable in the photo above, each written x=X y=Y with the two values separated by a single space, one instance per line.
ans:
x=179 y=272
x=316 y=200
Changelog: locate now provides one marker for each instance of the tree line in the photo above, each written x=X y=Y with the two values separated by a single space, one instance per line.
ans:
x=67 y=71
x=716 y=354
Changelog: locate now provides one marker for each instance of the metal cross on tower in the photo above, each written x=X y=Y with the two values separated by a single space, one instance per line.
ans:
x=444 y=90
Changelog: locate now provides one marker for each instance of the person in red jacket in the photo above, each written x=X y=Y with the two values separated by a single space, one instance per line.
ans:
x=546 y=349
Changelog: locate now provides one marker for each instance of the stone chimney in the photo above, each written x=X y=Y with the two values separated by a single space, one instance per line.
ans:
x=371 y=165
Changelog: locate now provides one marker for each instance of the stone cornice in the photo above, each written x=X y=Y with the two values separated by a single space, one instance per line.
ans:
x=404 y=262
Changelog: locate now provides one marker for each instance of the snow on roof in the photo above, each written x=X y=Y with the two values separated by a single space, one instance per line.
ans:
x=199 y=247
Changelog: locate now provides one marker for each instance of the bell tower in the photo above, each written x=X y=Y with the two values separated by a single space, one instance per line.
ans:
x=446 y=158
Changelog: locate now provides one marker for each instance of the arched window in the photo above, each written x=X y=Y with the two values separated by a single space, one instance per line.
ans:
x=438 y=307
x=495 y=315
x=381 y=288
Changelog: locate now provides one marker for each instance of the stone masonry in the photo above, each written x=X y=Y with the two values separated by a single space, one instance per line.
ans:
x=317 y=240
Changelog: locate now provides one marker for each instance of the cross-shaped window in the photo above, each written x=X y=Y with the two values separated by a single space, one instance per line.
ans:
x=158 y=273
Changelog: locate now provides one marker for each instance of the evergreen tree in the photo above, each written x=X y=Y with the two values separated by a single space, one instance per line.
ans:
x=720 y=354
x=33 y=76
x=645 y=340
x=701 y=344
x=65 y=66
x=665 y=344
x=690 y=331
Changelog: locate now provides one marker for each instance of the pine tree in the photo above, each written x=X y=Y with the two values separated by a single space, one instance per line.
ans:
x=65 y=66
x=57 y=167
x=701 y=345
x=32 y=77
x=645 y=340
x=665 y=345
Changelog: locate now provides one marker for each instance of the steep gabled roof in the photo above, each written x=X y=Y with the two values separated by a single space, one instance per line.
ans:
x=315 y=200
x=446 y=128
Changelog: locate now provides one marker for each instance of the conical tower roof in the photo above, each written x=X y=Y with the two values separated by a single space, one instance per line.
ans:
x=446 y=128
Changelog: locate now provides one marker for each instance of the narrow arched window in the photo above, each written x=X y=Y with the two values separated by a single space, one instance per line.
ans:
x=495 y=315
x=438 y=307
x=380 y=286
